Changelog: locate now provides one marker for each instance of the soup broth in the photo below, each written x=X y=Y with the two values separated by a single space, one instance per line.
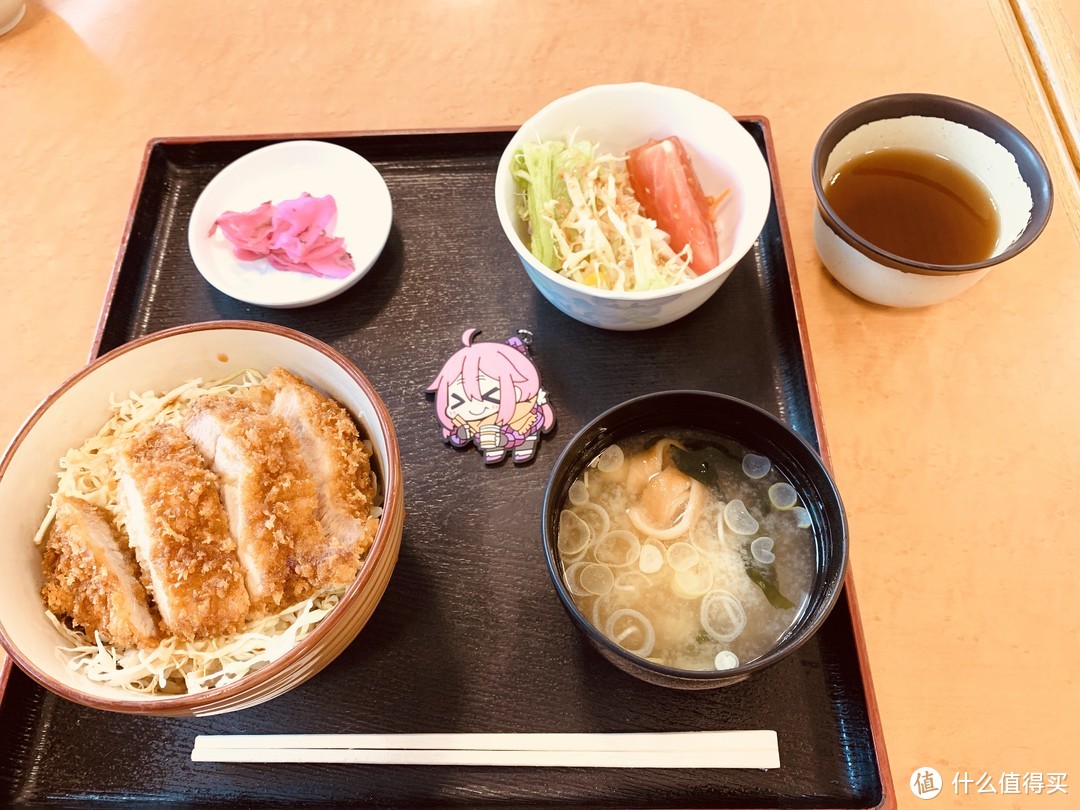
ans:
x=917 y=205
x=686 y=549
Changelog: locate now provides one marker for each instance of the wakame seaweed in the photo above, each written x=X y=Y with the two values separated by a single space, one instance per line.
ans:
x=703 y=465
x=764 y=576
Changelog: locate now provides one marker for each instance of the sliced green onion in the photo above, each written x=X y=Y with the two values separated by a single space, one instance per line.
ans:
x=579 y=493
x=651 y=558
x=617 y=549
x=574 y=533
x=611 y=459
x=694 y=581
x=762 y=550
x=632 y=631
x=682 y=556
x=783 y=495
x=572 y=578
x=802 y=517
x=597 y=579
x=601 y=609
x=722 y=616
x=756 y=466
x=726 y=659
x=738 y=519
x=597 y=518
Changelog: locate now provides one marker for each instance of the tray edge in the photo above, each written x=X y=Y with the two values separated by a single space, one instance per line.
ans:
x=118 y=260
x=888 y=793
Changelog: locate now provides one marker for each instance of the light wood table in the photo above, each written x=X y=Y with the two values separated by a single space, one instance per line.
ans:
x=953 y=429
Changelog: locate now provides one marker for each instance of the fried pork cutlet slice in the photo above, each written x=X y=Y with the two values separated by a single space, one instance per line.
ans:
x=91 y=577
x=175 y=522
x=337 y=459
x=269 y=497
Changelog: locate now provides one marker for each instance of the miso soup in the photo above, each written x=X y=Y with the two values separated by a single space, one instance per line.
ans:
x=686 y=549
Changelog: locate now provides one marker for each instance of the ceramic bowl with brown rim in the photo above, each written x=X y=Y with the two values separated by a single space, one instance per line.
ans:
x=983 y=145
x=78 y=408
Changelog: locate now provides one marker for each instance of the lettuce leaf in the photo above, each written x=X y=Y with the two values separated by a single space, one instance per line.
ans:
x=538 y=168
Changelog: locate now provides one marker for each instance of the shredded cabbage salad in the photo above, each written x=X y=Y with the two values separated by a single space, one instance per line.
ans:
x=177 y=667
x=174 y=666
x=585 y=222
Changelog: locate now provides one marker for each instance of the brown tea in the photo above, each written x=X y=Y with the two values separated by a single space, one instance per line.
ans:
x=917 y=205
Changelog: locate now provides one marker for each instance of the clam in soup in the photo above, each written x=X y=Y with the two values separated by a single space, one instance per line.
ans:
x=686 y=549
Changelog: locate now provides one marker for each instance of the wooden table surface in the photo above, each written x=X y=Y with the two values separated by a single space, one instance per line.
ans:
x=953 y=428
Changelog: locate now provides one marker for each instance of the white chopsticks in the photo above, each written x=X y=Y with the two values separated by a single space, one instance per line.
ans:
x=676 y=749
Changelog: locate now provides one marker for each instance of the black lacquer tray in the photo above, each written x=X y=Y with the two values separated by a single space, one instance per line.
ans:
x=470 y=636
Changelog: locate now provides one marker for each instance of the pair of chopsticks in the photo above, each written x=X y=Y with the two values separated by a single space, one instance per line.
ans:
x=677 y=749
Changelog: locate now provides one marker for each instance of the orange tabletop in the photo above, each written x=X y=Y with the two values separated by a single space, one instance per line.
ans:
x=953 y=429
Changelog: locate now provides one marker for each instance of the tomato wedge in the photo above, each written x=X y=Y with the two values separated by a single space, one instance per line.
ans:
x=668 y=189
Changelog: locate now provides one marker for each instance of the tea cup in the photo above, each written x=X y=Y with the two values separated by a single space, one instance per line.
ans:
x=991 y=149
x=11 y=14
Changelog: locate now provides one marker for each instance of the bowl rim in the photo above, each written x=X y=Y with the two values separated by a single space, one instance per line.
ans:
x=1033 y=171
x=787 y=642
x=714 y=275
x=392 y=504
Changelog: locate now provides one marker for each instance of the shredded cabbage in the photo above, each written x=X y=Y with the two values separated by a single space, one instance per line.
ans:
x=585 y=222
x=178 y=667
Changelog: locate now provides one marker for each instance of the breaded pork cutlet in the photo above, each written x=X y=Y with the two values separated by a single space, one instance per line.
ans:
x=91 y=577
x=175 y=522
x=268 y=494
x=337 y=459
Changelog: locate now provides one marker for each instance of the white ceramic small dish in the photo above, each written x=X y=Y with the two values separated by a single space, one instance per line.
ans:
x=975 y=139
x=619 y=117
x=279 y=172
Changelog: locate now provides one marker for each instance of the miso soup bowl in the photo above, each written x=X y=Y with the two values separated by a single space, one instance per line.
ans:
x=761 y=433
x=619 y=117
x=975 y=139
x=80 y=406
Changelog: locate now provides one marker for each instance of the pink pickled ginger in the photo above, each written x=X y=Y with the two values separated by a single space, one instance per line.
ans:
x=290 y=236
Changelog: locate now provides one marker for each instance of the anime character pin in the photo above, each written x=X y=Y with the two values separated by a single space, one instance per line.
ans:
x=489 y=395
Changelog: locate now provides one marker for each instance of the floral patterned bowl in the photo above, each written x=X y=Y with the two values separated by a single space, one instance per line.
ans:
x=619 y=117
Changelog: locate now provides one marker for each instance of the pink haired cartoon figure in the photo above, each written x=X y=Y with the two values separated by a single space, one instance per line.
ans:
x=489 y=395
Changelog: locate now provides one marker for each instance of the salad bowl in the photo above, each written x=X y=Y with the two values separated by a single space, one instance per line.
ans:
x=618 y=118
